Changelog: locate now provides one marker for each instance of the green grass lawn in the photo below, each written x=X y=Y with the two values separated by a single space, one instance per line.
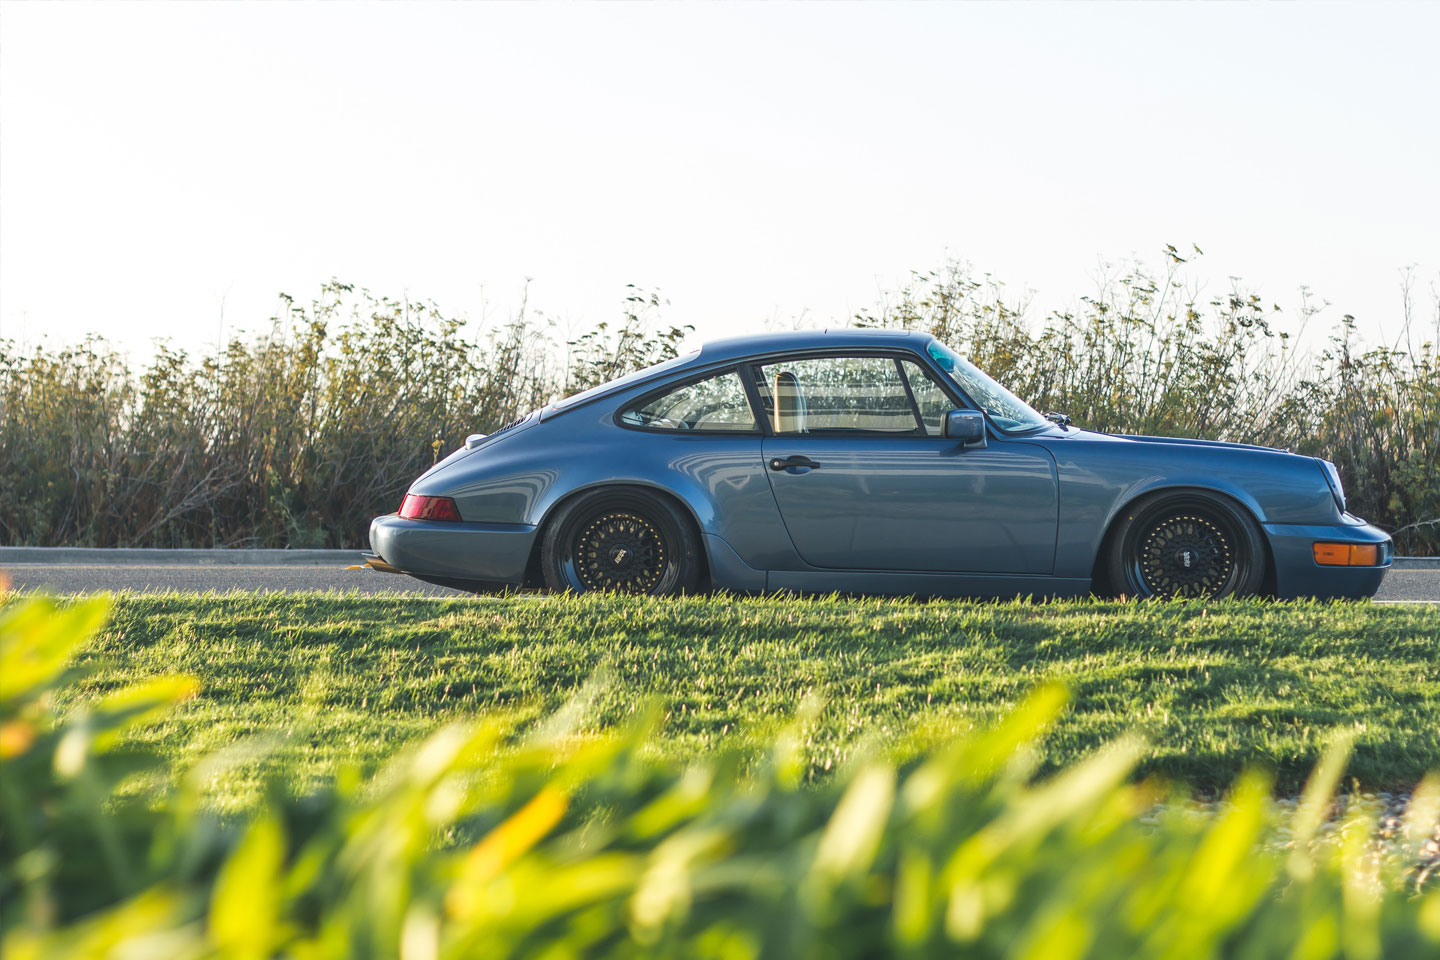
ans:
x=329 y=680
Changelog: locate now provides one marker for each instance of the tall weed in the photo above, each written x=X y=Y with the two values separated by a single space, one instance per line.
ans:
x=298 y=436
x=1148 y=354
x=295 y=438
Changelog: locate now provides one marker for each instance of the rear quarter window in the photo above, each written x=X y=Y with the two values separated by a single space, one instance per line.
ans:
x=717 y=404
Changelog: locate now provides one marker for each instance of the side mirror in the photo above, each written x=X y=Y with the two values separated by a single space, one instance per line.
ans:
x=967 y=426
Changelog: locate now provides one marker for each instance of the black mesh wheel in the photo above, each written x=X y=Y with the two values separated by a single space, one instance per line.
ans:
x=620 y=551
x=1191 y=546
x=620 y=540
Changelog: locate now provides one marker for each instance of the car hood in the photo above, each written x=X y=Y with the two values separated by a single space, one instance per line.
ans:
x=1077 y=434
x=1223 y=444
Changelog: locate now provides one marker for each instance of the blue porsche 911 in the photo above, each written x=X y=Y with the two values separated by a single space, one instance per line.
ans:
x=865 y=461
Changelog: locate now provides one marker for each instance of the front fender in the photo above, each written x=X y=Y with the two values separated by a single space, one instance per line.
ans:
x=1099 y=478
x=1146 y=486
x=1292 y=490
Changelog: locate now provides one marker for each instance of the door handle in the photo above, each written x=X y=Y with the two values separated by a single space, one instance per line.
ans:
x=791 y=462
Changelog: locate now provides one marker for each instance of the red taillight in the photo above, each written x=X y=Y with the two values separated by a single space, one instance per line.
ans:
x=416 y=507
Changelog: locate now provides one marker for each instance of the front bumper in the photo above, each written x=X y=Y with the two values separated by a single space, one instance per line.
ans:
x=1298 y=575
x=489 y=553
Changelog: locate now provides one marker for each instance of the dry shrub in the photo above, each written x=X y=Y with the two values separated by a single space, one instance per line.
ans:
x=294 y=438
x=1147 y=354
x=297 y=437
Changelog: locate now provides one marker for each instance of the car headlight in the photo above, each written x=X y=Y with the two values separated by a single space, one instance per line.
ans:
x=1332 y=476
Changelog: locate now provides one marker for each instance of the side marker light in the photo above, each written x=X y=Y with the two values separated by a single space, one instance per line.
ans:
x=1347 y=554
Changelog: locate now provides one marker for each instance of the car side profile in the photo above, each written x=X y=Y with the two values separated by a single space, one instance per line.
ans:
x=865 y=461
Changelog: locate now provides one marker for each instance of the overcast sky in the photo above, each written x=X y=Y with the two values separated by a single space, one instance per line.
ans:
x=160 y=162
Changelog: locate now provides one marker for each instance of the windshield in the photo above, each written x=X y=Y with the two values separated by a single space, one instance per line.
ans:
x=1006 y=411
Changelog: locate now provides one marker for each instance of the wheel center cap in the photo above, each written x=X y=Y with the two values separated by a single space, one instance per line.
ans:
x=619 y=555
x=1186 y=558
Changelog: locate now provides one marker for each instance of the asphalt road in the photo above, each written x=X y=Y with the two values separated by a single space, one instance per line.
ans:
x=202 y=578
x=1400 y=585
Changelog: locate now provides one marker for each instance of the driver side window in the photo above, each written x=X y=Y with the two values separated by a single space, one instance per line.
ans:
x=836 y=394
x=718 y=404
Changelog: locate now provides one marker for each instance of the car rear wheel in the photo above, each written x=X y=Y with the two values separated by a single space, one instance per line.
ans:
x=621 y=541
x=1191 y=545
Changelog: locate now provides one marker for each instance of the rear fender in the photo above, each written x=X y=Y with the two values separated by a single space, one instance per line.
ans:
x=653 y=489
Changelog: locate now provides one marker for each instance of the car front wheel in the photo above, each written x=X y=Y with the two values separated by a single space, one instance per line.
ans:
x=1191 y=545
x=621 y=541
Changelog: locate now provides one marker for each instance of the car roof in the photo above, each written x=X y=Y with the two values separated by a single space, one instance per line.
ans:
x=735 y=348
x=738 y=348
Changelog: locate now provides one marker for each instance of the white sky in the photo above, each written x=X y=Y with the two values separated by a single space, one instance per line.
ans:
x=754 y=162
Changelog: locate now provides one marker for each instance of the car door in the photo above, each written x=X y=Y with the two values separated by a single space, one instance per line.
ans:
x=864 y=480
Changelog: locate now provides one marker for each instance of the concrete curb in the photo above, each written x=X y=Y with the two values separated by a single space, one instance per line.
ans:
x=136 y=556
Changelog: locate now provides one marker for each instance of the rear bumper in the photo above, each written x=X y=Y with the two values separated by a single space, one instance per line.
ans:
x=494 y=553
x=1298 y=575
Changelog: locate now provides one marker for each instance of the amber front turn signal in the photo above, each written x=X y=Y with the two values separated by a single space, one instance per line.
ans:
x=1347 y=554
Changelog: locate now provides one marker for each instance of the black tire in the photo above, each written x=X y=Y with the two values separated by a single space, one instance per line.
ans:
x=1192 y=544
x=620 y=539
